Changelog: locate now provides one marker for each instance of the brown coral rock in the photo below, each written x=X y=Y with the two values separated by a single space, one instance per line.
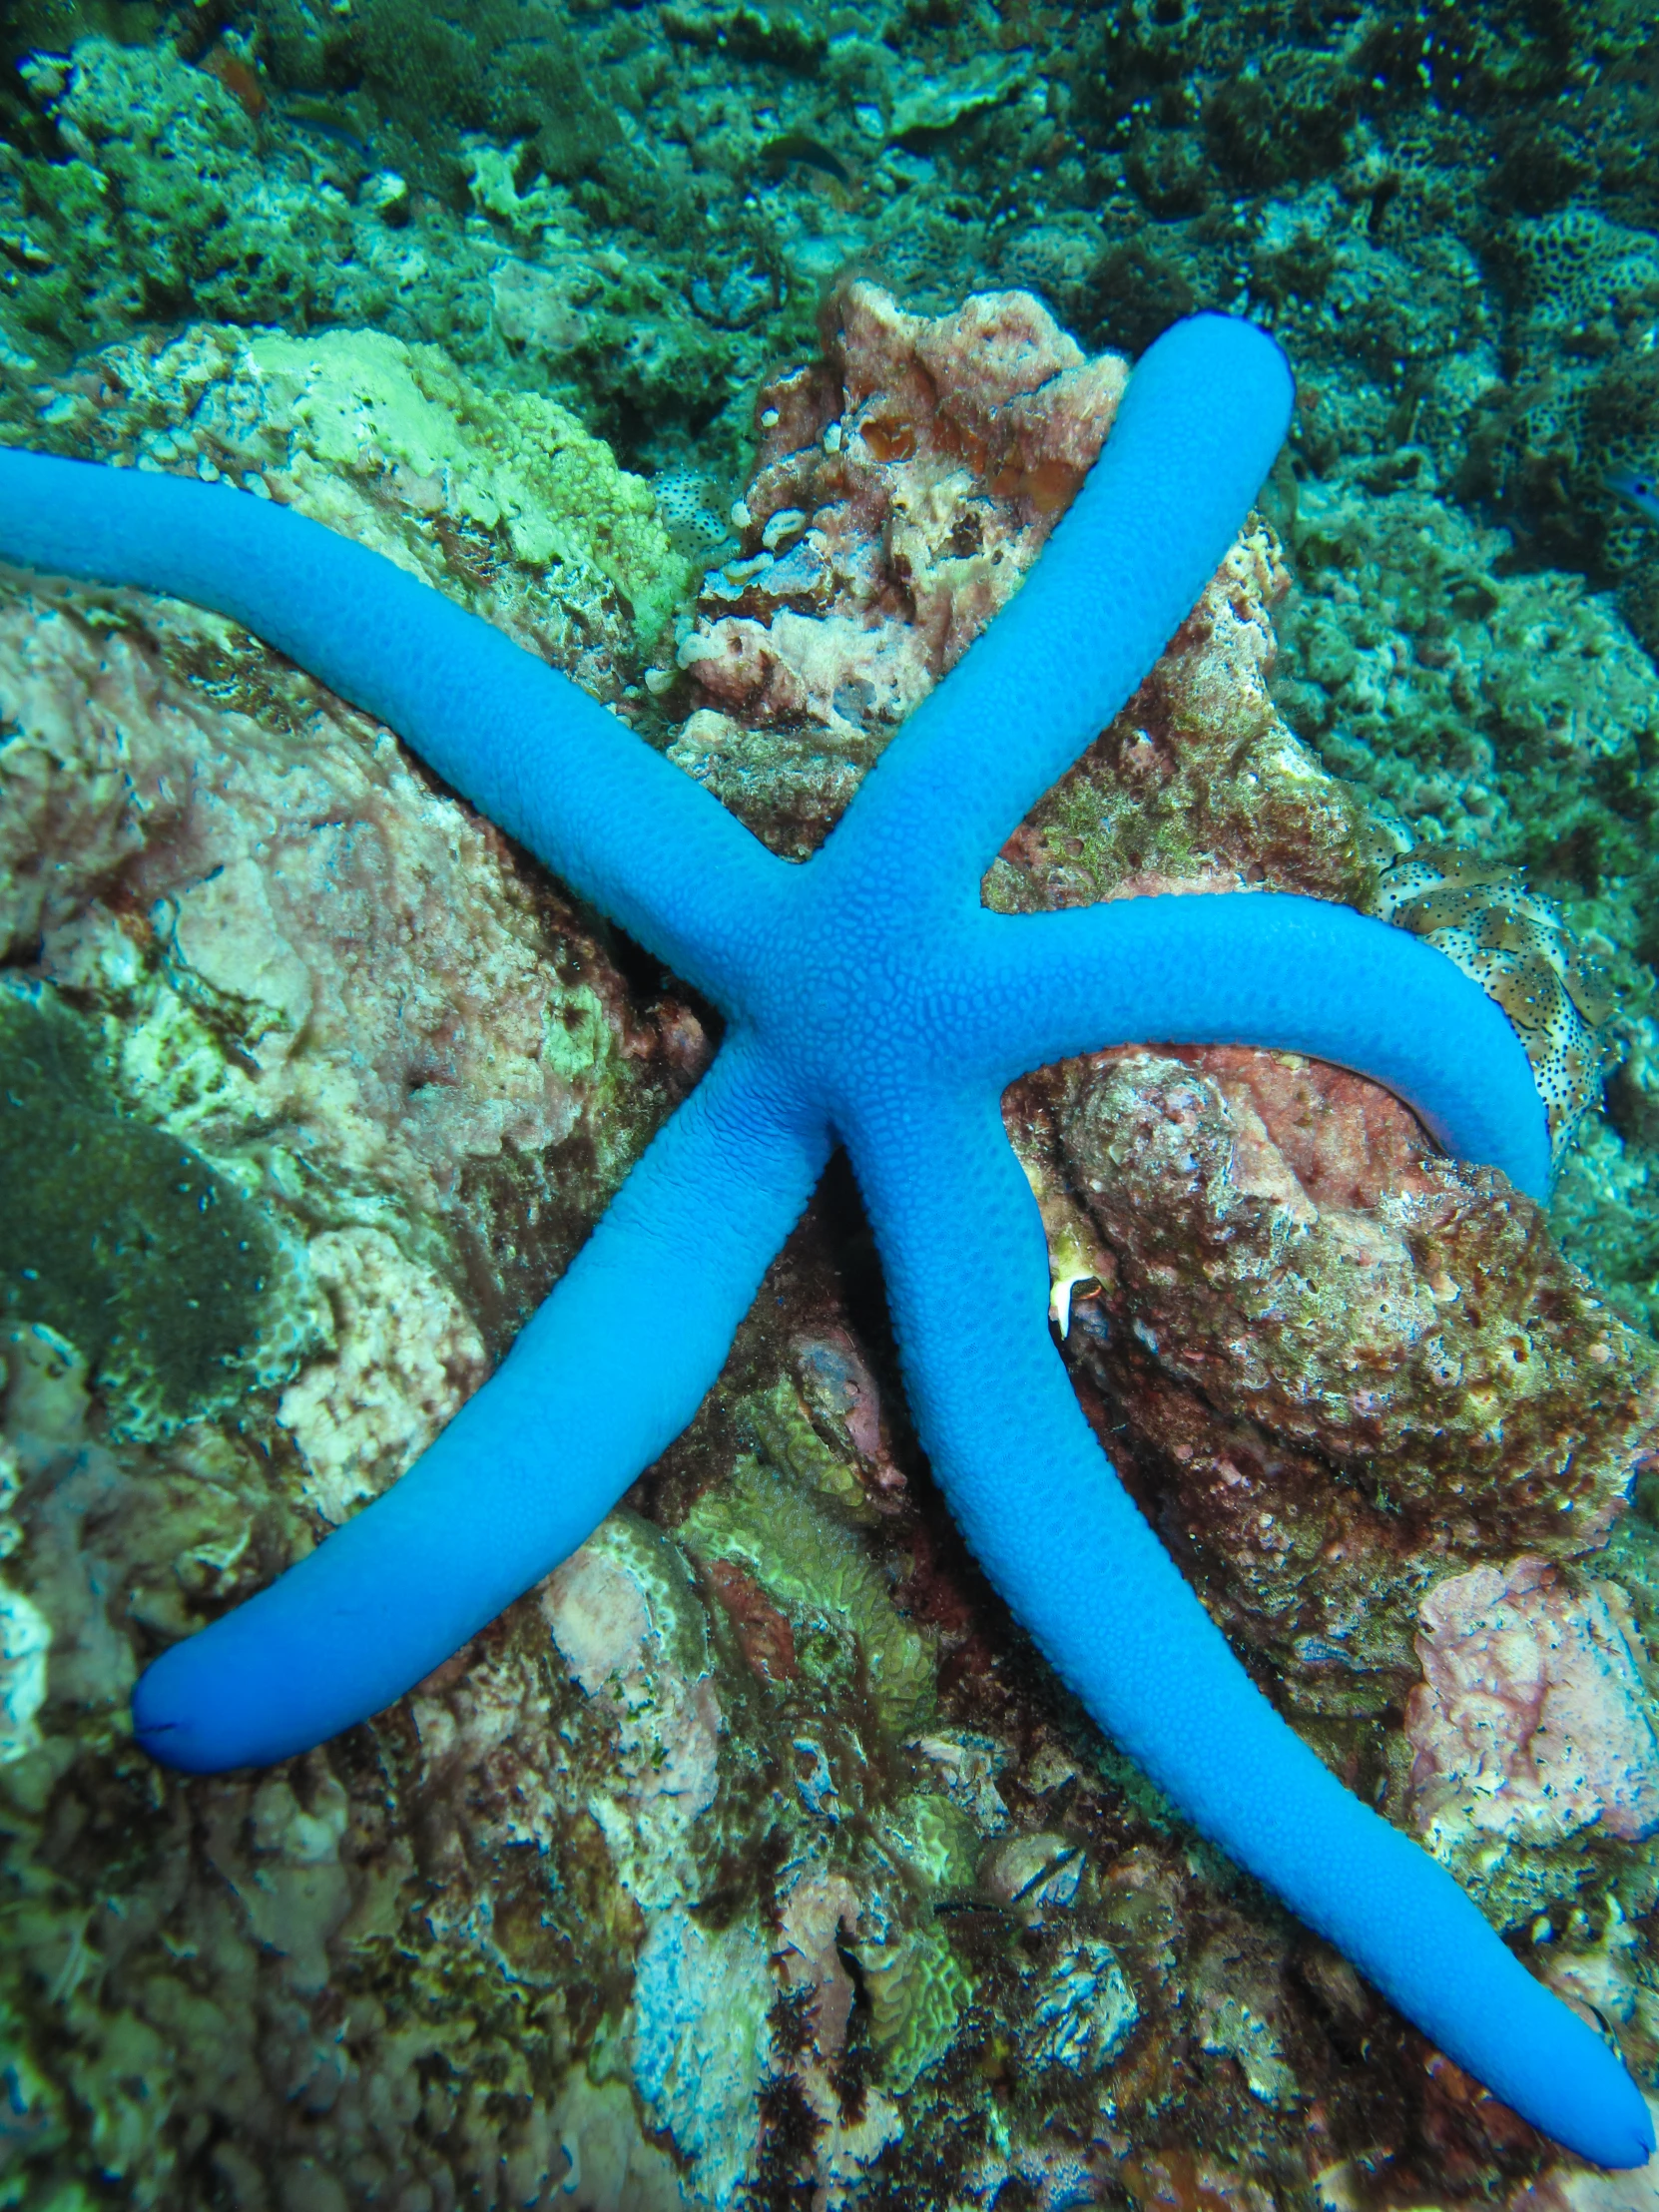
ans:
x=1348 y=1363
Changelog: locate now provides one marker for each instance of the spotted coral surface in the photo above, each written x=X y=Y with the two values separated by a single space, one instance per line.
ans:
x=1517 y=948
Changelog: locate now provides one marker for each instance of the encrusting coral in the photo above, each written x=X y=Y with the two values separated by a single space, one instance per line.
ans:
x=1231 y=2022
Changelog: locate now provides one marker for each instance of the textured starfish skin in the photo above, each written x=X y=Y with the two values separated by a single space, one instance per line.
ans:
x=872 y=1001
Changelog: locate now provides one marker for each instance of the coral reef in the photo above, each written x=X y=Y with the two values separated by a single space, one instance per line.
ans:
x=126 y=1242
x=1446 y=217
x=391 y=445
x=753 y=1852
x=407 y=1970
x=1532 y=1714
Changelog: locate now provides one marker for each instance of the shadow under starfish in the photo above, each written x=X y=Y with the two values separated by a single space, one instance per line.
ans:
x=872 y=1001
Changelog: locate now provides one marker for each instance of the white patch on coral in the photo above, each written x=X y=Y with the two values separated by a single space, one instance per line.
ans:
x=25 y=1636
x=609 y=2165
x=839 y=672
x=968 y=1766
x=535 y=307
x=1575 y=2188
x=224 y=932
x=1033 y=1876
x=25 y=1640
x=1532 y=1720
x=613 y=1612
x=75 y=1490
x=405 y=1358
x=299 y=1892
x=820 y=1910
x=701 y=2045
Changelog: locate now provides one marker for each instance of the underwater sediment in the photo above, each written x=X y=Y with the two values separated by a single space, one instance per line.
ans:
x=754 y=1857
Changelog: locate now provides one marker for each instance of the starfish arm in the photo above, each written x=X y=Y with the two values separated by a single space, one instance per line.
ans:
x=1296 y=974
x=1204 y=412
x=649 y=847
x=607 y=1374
x=962 y=1247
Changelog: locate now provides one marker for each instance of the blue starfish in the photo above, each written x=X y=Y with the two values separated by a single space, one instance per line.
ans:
x=870 y=1000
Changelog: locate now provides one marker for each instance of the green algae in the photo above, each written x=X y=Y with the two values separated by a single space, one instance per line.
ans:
x=522 y=469
x=782 y=1429
x=653 y=1565
x=819 y=1571
x=934 y=1839
x=157 y=210
x=509 y=67
x=918 y=1990
x=119 y=1237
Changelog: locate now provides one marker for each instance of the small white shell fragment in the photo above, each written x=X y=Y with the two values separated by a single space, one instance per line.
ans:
x=788 y=522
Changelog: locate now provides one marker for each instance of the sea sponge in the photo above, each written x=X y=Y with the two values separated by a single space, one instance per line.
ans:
x=177 y=1287
x=1577 y=268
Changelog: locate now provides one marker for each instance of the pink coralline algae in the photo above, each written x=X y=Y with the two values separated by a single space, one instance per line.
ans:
x=754 y=1857
x=1283 y=1244
x=900 y=490
x=1362 y=1392
x=1534 y=1719
x=229 y=842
